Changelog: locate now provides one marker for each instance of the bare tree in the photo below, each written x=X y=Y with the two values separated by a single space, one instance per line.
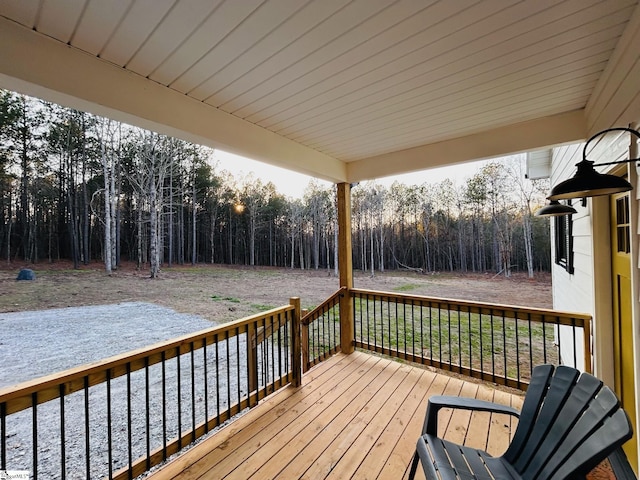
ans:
x=152 y=160
x=108 y=156
x=529 y=193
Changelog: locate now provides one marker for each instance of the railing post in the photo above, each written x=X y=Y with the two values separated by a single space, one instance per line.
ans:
x=252 y=358
x=345 y=265
x=304 y=347
x=296 y=344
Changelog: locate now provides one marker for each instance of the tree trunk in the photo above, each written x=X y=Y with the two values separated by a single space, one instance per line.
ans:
x=371 y=247
x=107 y=212
x=212 y=235
x=301 y=250
x=153 y=229
x=293 y=249
x=140 y=218
x=170 y=233
x=194 y=256
x=528 y=242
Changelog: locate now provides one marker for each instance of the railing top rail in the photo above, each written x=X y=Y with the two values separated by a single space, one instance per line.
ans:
x=476 y=307
x=309 y=316
x=75 y=374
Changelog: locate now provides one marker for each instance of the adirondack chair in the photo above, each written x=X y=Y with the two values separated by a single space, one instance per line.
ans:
x=567 y=426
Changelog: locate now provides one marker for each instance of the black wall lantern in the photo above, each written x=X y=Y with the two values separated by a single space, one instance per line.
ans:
x=587 y=182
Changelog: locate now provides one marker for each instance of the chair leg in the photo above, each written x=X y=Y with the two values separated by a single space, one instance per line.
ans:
x=414 y=466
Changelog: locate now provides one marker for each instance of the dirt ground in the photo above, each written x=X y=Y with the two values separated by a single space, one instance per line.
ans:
x=223 y=293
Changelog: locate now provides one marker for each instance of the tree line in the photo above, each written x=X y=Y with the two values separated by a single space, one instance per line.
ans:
x=85 y=188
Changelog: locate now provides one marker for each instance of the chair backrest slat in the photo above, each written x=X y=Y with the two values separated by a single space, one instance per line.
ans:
x=536 y=392
x=614 y=432
x=570 y=424
x=569 y=415
x=560 y=388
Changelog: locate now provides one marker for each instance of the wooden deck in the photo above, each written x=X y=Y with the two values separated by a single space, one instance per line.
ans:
x=355 y=416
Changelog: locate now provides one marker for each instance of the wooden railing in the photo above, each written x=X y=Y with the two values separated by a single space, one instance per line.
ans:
x=321 y=331
x=119 y=417
x=498 y=343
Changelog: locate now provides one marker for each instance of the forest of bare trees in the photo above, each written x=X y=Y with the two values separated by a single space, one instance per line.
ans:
x=78 y=187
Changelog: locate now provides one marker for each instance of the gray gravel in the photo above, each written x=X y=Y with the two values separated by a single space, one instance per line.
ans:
x=38 y=343
x=33 y=344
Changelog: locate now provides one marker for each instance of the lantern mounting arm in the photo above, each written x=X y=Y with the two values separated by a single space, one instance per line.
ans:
x=616 y=162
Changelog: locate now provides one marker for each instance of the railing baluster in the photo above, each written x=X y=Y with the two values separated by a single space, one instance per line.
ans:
x=63 y=454
x=431 y=330
x=34 y=408
x=109 y=437
x=375 y=316
x=557 y=335
x=3 y=438
x=449 y=328
x=217 y=343
x=333 y=324
x=404 y=322
x=517 y=350
x=397 y=339
x=147 y=419
x=493 y=348
x=469 y=335
x=252 y=360
x=369 y=325
x=280 y=346
x=505 y=372
x=288 y=318
x=481 y=337
x=530 y=344
x=193 y=393
x=390 y=346
x=129 y=416
x=325 y=327
x=265 y=362
x=179 y=392
x=164 y=405
x=239 y=383
x=459 y=339
x=544 y=340
x=87 y=440
x=575 y=350
x=228 y=345
x=440 y=336
x=361 y=328
x=413 y=329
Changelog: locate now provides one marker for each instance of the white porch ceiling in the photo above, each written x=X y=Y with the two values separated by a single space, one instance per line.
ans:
x=342 y=90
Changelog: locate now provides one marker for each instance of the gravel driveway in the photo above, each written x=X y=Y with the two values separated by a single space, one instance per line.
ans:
x=38 y=343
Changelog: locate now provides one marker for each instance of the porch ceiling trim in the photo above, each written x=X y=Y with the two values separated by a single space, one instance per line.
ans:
x=616 y=98
x=37 y=65
x=558 y=129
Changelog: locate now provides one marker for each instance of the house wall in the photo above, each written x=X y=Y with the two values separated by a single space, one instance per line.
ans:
x=588 y=289
x=573 y=292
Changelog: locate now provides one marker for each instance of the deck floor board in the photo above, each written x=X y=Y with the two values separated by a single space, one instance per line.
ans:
x=355 y=416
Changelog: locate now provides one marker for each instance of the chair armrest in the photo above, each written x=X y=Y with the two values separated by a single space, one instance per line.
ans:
x=437 y=402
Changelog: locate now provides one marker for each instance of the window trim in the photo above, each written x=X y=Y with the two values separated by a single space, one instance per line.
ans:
x=564 y=241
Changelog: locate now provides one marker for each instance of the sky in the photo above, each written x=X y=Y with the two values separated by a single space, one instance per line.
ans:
x=293 y=184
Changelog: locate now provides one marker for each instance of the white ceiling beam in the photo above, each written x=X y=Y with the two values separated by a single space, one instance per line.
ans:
x=36 y=65
x=526 y=136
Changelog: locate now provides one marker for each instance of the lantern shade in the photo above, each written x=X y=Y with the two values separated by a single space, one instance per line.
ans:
x=555 y=209
x=589 y=183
